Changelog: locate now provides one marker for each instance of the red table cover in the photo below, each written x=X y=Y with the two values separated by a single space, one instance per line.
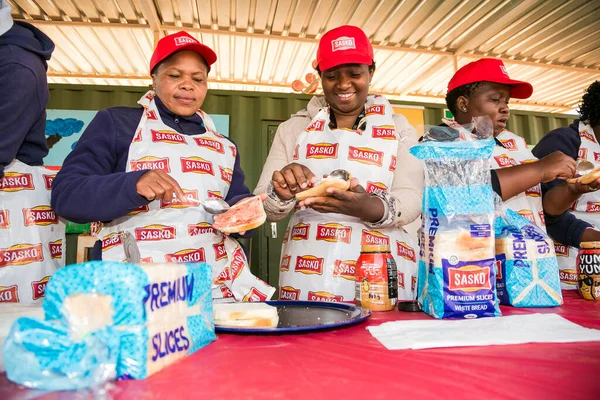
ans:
x=350 y=364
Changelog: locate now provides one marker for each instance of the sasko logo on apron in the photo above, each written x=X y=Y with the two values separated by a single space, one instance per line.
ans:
x=320 y=250
x=181 y=231
x=32 y=236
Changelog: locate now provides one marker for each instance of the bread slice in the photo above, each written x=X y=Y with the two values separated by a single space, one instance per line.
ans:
x=241 y=311
x=587 y=178
x=245 y=315
x=320 y=189
x=249 y=323
x=244 y=215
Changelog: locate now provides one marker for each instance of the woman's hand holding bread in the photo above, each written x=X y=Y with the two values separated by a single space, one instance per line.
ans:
x=354 y=202
x=556 y=165
x=292 y=179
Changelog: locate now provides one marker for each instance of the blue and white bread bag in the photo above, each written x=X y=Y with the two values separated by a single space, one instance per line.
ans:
x=527 y=269
x=106 y=320
x=456 y=276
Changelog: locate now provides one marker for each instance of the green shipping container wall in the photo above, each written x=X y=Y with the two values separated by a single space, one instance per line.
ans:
x=254 y=118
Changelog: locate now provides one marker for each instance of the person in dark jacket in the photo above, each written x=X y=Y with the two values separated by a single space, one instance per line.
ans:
x=579 y=141
x=24 y=52
x=31 y=236
x=143 y=170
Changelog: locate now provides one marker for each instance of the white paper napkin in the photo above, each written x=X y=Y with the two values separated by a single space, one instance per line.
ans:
x=514 y=329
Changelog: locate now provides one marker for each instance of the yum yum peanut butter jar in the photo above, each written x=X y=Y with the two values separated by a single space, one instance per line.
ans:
x=588 y=270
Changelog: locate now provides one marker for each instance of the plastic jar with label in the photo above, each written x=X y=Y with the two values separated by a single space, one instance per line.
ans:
x=376 y=278
x=588 y=270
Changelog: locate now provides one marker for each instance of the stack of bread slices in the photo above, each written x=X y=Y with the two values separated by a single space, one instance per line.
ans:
x=246 y=315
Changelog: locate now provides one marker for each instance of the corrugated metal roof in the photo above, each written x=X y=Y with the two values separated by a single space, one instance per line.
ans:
x=267 y=44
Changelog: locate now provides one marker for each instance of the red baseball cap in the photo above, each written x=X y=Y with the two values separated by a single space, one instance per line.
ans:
x=344 y=45
x=489 y=70
x=181 y=41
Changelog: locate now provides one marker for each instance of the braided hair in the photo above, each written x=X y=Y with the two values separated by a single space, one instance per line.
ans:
x=589 y=109
x=464 y=90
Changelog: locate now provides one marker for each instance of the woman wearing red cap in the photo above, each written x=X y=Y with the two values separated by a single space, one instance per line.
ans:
x=345 y=129
x=136 y=168
x=483 y=88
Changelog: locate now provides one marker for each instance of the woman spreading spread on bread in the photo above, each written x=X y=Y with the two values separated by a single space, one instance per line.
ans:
x=141 y=168
x=579 y=141
x=483 y=88
x=350 y=130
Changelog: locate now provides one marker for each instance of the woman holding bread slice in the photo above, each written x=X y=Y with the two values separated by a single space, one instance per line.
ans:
x=346 y=129
x=579 y=141
x=143 y=171
x=483 y=88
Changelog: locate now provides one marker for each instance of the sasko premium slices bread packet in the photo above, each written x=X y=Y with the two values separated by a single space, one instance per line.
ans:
x=456 y=277
x=527 y=269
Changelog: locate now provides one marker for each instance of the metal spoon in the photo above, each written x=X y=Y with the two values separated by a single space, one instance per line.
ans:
x=130 y=247
x=340 y=174
x=583 y=167
x=214 y=205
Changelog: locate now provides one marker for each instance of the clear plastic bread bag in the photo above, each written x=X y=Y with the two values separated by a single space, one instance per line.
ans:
x=79 y=344
x=111 y=320
x=456 y=277
x=42 y=355
x=527 y=273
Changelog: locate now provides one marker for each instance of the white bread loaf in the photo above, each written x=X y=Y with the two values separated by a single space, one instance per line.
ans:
x=530 y=271
x=458 y=243
x=164 y=311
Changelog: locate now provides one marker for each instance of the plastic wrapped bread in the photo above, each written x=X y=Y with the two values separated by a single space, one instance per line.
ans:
x=159 y=313
x=458 y=272
x=456 y=277
x=528 y=274
x=458 y=244
x=9 y=313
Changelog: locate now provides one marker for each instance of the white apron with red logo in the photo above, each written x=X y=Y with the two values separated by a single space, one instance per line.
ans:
x=515 y=152
x=320 y=250
x=32 y=237
x=586 y=208
x=182 y=231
